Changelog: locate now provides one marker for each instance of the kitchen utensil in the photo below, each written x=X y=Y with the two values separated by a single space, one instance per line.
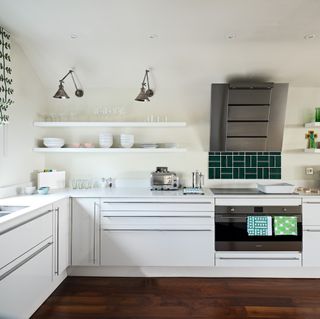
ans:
x=29 y=190
x=105 y=140
x=162 y=179
x=279 y=188
x=43 y=190
x=126 y=140
x=52 y=142
x=197 y=179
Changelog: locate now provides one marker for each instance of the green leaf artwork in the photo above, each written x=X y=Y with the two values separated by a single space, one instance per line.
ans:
x=6 y=90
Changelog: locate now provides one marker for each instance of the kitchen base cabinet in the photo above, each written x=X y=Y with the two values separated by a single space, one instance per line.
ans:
x=311 y=241
x=24 y=289
x=156 y=248
x=85 y=231
x=61 y=236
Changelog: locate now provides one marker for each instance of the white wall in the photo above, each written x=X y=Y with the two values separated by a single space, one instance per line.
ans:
x=19 y=163
x=192 y=106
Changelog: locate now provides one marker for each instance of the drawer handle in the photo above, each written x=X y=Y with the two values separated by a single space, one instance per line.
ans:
x=312 y=230
x=179 y=203
x=6 y=274
x=150 y=230
x=257 y=258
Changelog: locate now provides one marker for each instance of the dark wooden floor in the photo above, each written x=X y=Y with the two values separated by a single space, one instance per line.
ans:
x=157 y=298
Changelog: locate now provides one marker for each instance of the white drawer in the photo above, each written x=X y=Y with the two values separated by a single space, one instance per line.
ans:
x=258 y=259
x=19 y=240
x=157 y=223
x=311 y=214
x=157 y=248
x=140 y=205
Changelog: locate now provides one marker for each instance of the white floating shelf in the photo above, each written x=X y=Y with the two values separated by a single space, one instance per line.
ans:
x=108 y=150
x=109 y=124
x=312 y=125
x=312 y=150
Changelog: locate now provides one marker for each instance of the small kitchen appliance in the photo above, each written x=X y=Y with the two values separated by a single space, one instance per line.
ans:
x=162 y=179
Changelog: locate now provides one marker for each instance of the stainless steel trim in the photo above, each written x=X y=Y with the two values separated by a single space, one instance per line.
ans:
x=6 y=274
x=150 y=230
x=179 y=203
x=57 y=211
x=25 y=222
x=158 y=216
x=258 y=258
x=94 y=232
x=312 y=230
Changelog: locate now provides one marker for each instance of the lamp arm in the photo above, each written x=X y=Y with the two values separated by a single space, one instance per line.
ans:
x=144 y=78
x=70 y=72
x=74 y=82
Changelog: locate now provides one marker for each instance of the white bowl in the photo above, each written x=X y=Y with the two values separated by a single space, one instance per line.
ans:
x=29 y=190
x=127 y=144
x=53 y=142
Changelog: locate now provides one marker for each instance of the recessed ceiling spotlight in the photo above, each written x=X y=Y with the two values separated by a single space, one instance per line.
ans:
x=309 y=36
x=231 y=36
x=74 y=36
x=153 y=36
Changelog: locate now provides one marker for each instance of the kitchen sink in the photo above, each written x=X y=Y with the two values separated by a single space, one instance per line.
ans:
x=5 y=210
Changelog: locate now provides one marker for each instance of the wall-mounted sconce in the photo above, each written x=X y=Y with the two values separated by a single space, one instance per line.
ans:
x=145 y=94
x=61 y=93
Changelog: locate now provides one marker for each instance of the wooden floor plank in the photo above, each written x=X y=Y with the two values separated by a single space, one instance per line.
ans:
x=183 y=298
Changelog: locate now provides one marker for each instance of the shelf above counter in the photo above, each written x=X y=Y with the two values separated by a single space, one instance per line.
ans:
x=110 y=124
x=108 y=150
x=312 y=125
x=312 y=150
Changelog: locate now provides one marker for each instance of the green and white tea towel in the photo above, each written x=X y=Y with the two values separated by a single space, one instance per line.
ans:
x=259 y=225
x=285 y=225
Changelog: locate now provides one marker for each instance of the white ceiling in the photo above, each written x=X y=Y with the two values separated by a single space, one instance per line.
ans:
x=113 y=46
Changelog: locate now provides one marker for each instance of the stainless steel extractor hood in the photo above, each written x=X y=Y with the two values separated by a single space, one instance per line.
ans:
x=247 y=116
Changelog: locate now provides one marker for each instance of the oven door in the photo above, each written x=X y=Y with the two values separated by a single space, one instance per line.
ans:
x=231 y=235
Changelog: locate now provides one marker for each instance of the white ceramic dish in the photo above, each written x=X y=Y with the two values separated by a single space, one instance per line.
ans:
x=279 y=188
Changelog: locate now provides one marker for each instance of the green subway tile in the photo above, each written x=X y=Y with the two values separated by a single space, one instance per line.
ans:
x=241 y=153
x=278 y=161
x=248 y=161
x=275 y=170
x=235 y=173
x=250 y=176
x=260 y=173
x=211 y=173
x=235 y=153
x=275 y=153
x=251 y=170
x=259 y=153
x=226 y=170
x=214 y=164
x=263 y=164
x=229 y=161
x=223 y=161
x=251 y=153
x=241 y=173
x=217 y=173
x=262 y=158
x=266 y=173
x=272 y=161
x=227 y=153
x=253 y=161
x=226 y=176
x=215 y=158
x=275 y=176
x=238 y=158
x=238 y=164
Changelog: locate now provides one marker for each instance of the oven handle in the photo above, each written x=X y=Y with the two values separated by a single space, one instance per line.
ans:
x=221 y=218
x=258 y=258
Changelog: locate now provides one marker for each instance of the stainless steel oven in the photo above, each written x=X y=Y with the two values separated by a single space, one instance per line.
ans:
x=231 y=229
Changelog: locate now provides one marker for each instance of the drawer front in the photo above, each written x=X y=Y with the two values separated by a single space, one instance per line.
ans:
x=25 y=289
x=249 y=97
x=157 y=248
x=258 y=260
x=107 y=205
x=258 y=201
x=25 y=237
x=311 y=214
x=157 y=223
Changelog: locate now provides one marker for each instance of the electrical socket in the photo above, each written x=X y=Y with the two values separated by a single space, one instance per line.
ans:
x=309 y=171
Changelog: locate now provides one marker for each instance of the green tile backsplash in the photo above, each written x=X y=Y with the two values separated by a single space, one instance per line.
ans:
x=244 y=165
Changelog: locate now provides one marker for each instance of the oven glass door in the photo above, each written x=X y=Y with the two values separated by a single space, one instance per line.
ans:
x=231 y=235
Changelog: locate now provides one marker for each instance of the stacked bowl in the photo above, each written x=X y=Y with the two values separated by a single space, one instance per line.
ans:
x=53 y=142
x=105 y=140
x=126 y=140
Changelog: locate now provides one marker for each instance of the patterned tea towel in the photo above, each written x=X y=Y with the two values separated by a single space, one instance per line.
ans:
x=285 y=225
x=259 y=225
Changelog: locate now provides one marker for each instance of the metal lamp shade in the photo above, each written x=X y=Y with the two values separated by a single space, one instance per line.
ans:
x=142 y=96
x=61 y=93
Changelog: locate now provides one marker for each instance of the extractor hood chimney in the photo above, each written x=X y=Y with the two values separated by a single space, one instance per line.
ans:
x=247 y=116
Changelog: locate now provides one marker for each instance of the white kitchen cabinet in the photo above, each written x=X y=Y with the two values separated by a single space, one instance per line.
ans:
x=140 y=233
x=61 y=236
x=311 y=234
x=24 y=288
x=85 y=231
